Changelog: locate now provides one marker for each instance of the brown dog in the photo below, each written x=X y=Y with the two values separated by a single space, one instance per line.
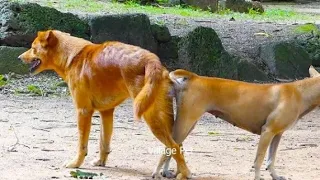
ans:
x=264 y=109
x=100 y=77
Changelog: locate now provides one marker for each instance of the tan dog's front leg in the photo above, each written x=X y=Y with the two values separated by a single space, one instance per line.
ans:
x=272 y=156
x=105 y=136
x=84 y=125
x=265 y=139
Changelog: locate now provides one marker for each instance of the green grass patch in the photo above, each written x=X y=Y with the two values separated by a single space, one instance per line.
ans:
x=308 y=28
x=35 y=90
x=3 y=80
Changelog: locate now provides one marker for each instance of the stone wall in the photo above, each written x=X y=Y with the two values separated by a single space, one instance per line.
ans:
x=200 y=50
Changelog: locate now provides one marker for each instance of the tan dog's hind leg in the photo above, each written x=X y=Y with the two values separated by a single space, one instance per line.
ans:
x=84 y=125
x=185 y=122
x=272 y=155
x=265 y=139
x=163 y=159
x=106 y=128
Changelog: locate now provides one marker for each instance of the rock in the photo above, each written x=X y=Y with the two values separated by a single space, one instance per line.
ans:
x=249 y=72
x=312 y=46
x=133 y=29
x=174 y=2
x=244 y=6
x=161 y=33
x=286 y=60
x=20 y=22
x=211 y=5
x=9 y=61
x=201 y=51
x=168 y=52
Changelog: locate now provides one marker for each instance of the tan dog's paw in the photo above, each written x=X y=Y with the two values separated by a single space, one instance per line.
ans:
x=72 y=164
x=98 y=162
x=168 y=174
x=156 y=176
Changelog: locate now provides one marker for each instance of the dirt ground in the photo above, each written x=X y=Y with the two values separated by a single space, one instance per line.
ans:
x=47 y=134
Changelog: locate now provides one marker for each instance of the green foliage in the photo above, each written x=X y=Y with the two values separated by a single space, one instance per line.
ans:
x=83 y=175
x=34 y=90
x=3 y=80
x=308 y=28
x=253 y=12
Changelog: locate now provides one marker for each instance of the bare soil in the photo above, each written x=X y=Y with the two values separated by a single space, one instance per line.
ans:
x=47 y=133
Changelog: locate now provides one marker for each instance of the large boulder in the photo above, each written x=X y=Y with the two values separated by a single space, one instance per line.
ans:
x=133 y=29
x=201 y=51
x=168 y=52
x=286 y=60
x=161 y=33
x=312 y=46
x=248 y=71
x=20 y=22
x=9 y=61
x=244 y=6
x=211 y=5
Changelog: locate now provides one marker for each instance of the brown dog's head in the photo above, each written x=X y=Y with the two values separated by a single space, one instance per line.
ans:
x=39 y=55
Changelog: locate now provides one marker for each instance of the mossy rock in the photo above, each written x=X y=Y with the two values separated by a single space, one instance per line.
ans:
x=201 y=51
x=312 y=46
x=133 y=29
x=161 y=33
x=21 y=22
x=287 y=60
x=9 y=61
x=248 y=71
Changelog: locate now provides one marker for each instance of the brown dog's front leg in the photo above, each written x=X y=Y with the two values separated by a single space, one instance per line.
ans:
x=106 y=128
x=84 y=125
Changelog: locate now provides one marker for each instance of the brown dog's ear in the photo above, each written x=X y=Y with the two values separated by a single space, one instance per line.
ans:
x=313 y=72
x=47 y=38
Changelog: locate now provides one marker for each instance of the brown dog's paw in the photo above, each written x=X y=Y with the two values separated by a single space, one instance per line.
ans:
x=181 y=177
x=98 y=162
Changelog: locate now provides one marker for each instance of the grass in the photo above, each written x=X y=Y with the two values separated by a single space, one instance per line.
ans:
x=94 y=6
x=3 y=80
x=34 y=90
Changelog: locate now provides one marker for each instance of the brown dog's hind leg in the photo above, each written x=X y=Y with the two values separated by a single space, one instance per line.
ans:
x=84 y=125
x=272 y=155
x=106 y=128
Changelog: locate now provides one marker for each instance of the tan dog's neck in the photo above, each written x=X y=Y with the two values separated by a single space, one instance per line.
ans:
x=68 y=46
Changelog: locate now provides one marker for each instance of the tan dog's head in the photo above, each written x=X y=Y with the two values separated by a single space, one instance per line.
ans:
x=180 y=78
x=313 y=72
x=42 y=53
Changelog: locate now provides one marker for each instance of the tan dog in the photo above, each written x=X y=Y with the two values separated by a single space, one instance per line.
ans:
x=264 y=109
x=100 y=77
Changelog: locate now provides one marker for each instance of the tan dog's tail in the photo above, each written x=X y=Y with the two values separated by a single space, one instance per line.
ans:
x=153 y=77
x=313 y=72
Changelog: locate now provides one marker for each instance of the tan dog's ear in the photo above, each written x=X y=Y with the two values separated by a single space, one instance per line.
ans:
x=313 y=72
x=47 y=38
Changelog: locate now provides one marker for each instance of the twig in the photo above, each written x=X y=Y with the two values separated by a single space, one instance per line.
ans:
x=48 y=150
x=13 y=147
x=40 y=129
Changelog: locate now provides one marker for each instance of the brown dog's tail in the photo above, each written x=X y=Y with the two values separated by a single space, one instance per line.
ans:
x=153 y=77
